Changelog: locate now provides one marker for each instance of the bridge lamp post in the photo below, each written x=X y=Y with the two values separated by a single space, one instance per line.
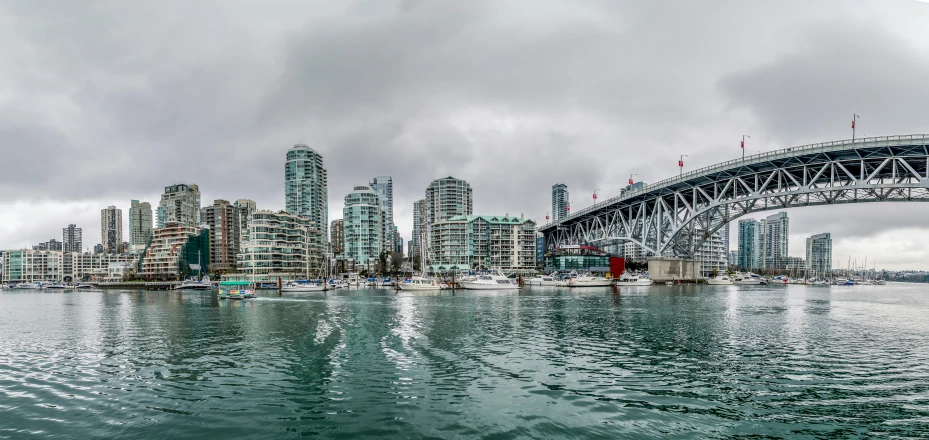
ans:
x=854 y=118
x=744 y=136
x=595 y=196
x=680 y=164
x=630 y=178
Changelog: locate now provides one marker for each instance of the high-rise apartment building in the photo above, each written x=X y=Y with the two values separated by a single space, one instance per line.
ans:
x=384 y=187
x=446 y=198
x=363 y=222
x=819 y=253
x=244 y=208
x=776 y=234
x=750 y=242
x=177 y=252
x=180 y=204
x=71 y=238
x=221 y=219
x=51 y=245
x=111 y=229
x=560 y=201
x=306 y=187
x=337 y=237
x=140 y=225
x=419 y=216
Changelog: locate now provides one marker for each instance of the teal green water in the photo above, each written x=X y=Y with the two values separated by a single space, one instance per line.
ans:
x=660 y=362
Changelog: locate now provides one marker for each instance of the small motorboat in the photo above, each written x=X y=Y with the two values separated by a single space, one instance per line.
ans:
x=32 y=285
x=627 y=279
x=194 y=284
x=302 y=287
x=489 y=281
x=83 y=286
x=55 y=286
x=590 y=280
x=542 y=280
x=719 y=280
x=749 y=279
x=420 y=283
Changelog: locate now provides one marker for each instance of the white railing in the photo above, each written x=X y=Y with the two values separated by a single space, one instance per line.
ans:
x=793 y=151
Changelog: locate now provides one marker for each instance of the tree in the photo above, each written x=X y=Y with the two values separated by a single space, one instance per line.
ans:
x=396 y=261
x=382 y=262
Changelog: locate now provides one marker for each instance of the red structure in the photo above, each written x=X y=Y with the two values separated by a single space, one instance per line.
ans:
x=617 y=266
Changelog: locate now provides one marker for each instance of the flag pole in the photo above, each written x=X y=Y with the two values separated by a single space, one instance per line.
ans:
x=743 y=144
x=854 y=118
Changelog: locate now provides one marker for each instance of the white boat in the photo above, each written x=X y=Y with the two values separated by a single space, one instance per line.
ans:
x=749 y=279
x=627 y=279
x=542 y=280
x=719 y=280
x=193 y=284
x=490 y=281
x=302 y=287
x=589 y=280
x=83 y=286
x=32 y=285
x=420 y=283
x=55 y=286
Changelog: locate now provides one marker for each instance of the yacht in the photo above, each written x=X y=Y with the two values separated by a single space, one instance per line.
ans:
x=749 y=279
x=32 y=285
x=719 y=280
x=302 y=287
x=590 y=280
x=490 y=281
x=193 y=284
x=542 y=280
x=420 y=283
x=627 y=279
x=83 y=286
x=55 y=286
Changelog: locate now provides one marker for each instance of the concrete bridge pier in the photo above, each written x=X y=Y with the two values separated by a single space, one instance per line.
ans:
x=662 y=269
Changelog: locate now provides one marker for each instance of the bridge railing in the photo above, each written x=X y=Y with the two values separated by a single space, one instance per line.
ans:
x=729 y=163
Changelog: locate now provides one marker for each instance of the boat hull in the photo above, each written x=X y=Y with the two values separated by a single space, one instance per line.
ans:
x=635 y=283
x=598 y=283
x=302 y=289
x=715 y=282
x=418 y=287
x=482 y=286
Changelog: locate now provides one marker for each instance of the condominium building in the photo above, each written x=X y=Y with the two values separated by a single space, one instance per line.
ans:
x=23 y=265
x=363 y=222
x=244 y=208
x=560 y=201
x=50 y=245
x=281 y=246
x=384 y=187
x=635 y=252
x=111 y=229
x=712 y=254
x=306 y=187
x=419 y=217
x=819 y=253
x=446 y=198
x=337 y=237
x=221 y=218
x=140 y=225
x=483 y=241
x=776 y=234
x=177 y=251
x=98 y=248
x=750 y=242
x=93 y=267
x=180 y=204
x=71 y=238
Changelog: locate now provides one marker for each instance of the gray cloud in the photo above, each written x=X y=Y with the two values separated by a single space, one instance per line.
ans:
x=114 y=101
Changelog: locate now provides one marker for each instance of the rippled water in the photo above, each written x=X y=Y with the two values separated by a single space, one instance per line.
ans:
x=685 y=362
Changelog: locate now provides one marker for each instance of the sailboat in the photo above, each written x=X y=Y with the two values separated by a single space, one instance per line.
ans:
x=196 y=283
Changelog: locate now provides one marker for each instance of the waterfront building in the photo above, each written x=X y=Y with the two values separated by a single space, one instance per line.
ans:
x=176 y=252
x=577 y=258
x=364 y=226
x=795 y=265
x=776 y=234
x=78 y=267
x=111 y=229
x=337 y=237
x=635 y=252
x=221 y=219
x=140 y=225
x=24 y=265
x=446 y=198
x=750 y=233
x=819 y=253
x=244 y=208
x=306 y=187
x=180 y=203
x=560 y=201
x=384 y=187
x=71 y=238
x=712 y=254
x=483 y=241
x=98 y=248
x=733 y=258
x=281 y=246
x=724 y=236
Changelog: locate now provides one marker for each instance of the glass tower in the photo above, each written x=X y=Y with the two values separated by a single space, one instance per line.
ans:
x=306 y=187
x=560 y=201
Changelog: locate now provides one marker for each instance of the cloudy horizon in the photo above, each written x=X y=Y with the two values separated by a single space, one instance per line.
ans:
x=104 y=102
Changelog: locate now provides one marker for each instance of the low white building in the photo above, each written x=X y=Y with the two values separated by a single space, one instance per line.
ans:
x=489 y=241
x=32 y=265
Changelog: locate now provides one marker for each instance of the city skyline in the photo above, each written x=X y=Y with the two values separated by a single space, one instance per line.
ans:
x=506 y=135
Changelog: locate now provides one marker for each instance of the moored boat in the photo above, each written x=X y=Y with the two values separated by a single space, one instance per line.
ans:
x=627 y=279
x=589 y=280
x=719 y=280
x=420 y=283
x=489 y=281
x=749 y=279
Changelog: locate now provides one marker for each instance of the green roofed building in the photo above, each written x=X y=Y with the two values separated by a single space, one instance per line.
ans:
x=483 y=241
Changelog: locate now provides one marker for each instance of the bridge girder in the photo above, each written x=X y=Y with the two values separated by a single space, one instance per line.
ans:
x=677 y=217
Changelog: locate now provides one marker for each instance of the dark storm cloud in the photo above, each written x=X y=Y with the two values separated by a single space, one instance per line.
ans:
x=511 y=96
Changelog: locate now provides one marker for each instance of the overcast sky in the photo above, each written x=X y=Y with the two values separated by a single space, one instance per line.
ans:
x=103 y=102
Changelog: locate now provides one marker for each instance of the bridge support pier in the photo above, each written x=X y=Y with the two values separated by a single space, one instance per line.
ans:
x=663 y=269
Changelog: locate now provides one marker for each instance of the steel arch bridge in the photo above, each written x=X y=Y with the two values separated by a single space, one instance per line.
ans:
x=675 y=216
